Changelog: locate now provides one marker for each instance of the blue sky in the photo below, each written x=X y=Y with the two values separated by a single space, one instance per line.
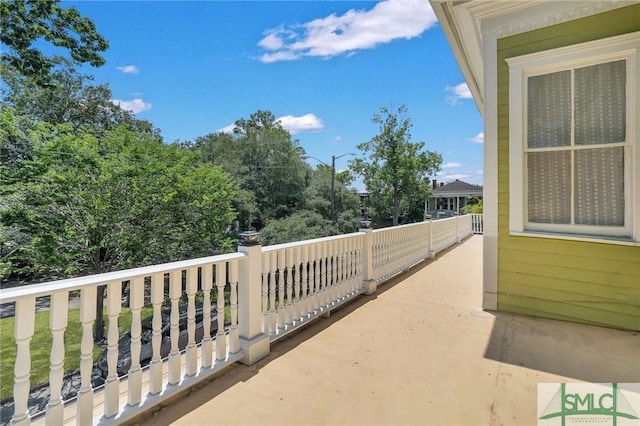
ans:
x=322 y=67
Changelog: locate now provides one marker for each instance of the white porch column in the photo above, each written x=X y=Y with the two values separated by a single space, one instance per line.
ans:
x=490 y=188
x=369 y=284
x=253 y=342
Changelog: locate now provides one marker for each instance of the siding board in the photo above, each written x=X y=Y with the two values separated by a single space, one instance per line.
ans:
x=594 y=283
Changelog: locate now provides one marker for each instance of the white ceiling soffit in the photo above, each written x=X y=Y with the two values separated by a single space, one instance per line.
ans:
x=464 y=22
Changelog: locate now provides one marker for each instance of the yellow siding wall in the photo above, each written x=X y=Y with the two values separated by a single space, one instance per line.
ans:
x=569 y=280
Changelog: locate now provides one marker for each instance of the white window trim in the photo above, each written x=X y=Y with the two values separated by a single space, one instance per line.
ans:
x=583 y=54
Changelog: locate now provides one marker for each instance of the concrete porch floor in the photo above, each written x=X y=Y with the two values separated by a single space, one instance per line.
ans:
x=418 y=352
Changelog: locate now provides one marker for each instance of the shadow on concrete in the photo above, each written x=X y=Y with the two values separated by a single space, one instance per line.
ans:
x=576 y=351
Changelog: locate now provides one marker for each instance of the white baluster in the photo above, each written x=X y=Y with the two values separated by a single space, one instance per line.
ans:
x=24 y=328
x=155 y=369
x=136 y=301
x=296 y=270
x=288 y=254
x=281 y=288
x=114 y=307
x=57 y=323
x=313 y=264
x=324 y=274
x=304 y=282
x=338 y=270
x=221 y=337
x=265 y=293
x=234 y=333
x=175 y=291
x=350 y=266
x=273 y=326
x=87 y=317
x=207 y=341
x=192 y=350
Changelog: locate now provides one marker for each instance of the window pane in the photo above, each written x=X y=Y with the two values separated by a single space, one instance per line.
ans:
x=549 y=187
x=600 y=186
x=600 y=103
x=549 y=110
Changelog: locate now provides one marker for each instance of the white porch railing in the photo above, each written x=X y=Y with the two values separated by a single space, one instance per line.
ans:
x=477 y=223
x=271 y=291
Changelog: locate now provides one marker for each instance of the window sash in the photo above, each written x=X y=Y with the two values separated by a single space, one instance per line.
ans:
x=625 y=46
x=561 y=141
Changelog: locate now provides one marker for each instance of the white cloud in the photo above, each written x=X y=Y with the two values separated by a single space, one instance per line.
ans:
x=135 y=106
x=479 y=138
x=451 y=165
x=290 y=123
x=227 y=129
x=129 y=69
x=355 y=30
x=302 y=123
x=450 y=177
x=480 y=172
x=457 y=93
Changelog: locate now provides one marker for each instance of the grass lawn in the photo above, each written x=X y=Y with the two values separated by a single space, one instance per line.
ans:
x=41 y=346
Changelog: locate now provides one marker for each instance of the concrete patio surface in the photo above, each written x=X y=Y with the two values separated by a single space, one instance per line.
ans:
x=418 y=352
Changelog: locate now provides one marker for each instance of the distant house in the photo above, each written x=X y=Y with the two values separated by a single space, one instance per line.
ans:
x=450 y=198
x=558 y=85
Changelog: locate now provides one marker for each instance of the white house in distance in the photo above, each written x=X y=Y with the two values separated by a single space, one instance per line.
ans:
x=558 y=86
x=448 y=199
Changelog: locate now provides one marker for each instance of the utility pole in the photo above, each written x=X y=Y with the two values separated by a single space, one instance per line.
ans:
x=333 y=178
x=333 y=183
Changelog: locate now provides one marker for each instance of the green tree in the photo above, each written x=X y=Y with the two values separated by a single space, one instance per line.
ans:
x=395 y=170
x=474 y=206
x=317 y=198
x=23 y=24
x=301 y=225
x=86 y=205
x=265 y=162
x=69 y=98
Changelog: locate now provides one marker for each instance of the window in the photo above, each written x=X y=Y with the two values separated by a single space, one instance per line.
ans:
x=573 y=146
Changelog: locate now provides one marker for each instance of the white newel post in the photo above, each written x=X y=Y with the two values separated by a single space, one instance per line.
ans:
x=431 y=252
x=368 y=283
x=253 y=342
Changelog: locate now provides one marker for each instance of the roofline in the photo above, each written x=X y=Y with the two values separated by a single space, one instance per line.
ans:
x=464 y=22
x=446 y=18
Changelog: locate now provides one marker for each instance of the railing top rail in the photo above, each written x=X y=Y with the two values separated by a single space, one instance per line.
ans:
x=48 y=288
x=284 y=246
x=391 y=228
x=417 y=223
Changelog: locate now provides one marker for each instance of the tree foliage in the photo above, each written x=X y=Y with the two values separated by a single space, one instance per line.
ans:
x=69 y=98
x=395 y=170
x=24 y=23
x=92 y=205
x=266 y=163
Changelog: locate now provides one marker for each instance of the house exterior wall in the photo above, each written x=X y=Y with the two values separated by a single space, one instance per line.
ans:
x=586 y=282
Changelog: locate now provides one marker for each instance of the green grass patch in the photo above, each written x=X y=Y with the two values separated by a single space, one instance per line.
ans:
x=41 y=346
